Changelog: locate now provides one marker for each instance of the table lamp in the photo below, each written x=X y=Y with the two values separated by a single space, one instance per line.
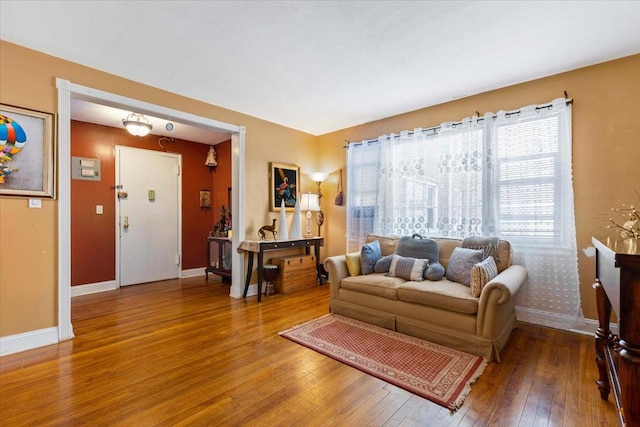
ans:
x=309 y=203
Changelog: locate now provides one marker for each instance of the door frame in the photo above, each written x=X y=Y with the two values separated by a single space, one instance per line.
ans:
x=66 y=91
x=119 y=149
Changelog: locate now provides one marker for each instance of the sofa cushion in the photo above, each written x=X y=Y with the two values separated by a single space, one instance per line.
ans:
x=383 y=264
x=460 y=265
x=378 y=284
x=481 y=274
x=442 y=294
x=408 y=268
x=369 y=255
x=353 y=263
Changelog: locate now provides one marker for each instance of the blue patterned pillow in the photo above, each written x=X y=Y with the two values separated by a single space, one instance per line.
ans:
x=461 y=263
x=408 y=268
x=369 y=255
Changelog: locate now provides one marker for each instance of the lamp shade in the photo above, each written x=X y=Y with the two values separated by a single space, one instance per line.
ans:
x=310 y=203
x=137 y=124
x=318 y=176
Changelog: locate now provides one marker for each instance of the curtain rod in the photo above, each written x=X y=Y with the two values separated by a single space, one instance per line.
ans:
x=435 y=129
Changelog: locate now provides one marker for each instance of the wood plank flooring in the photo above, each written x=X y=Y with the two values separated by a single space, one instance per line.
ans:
x=183 y=353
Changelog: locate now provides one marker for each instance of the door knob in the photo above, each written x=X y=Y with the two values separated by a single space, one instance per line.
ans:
x=125 y=225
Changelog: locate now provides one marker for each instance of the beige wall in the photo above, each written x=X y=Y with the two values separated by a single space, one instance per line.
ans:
x=606 y=145
x=28 y=240
x=606 y=148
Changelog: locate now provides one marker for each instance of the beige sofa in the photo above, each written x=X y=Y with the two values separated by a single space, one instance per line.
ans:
x=443 y=312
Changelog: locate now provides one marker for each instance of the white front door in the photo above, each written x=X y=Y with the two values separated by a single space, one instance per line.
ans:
x=148 y=219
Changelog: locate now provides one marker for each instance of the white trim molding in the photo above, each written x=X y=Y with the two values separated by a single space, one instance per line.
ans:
x=192 y=272
x=92 y=288
x=28 y=340
x=65 y=328
x=578 y=325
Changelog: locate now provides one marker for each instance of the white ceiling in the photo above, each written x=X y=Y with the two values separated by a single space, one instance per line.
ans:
x=89 y=112
x=320 y=66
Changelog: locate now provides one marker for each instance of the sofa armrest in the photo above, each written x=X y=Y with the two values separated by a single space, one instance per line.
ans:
x=336 y=266
x=498 y=298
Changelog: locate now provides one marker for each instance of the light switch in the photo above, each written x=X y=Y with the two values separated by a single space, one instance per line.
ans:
x=99 y=209
x=35 y=203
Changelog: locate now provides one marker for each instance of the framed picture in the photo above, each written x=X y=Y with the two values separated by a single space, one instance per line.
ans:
x=205 y=199
x=283 y=185
x=26 y=152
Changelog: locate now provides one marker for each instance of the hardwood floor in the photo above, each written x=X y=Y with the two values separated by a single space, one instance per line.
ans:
x=182 y=353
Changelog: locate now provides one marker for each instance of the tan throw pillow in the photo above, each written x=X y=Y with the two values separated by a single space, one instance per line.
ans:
x=353 y=263
x=481 y=274
x=408 y=268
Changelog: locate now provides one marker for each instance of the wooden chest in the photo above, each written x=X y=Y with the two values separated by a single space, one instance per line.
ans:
x=295 y=273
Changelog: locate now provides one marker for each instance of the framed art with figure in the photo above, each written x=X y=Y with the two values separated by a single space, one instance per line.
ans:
x=283 y=185
x=26 y=152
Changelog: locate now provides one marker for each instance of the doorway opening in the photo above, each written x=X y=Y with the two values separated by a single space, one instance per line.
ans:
x=68 y=91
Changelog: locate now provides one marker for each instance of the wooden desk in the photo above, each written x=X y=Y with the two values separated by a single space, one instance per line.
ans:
x=618 y=357
x=259 y=247
x=222 y=262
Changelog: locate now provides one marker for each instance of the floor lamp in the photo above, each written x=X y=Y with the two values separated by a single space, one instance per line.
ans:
x=318 y=177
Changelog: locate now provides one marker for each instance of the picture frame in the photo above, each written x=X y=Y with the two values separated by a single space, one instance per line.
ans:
x=205 y=199
x=27 y=165
x=283 y=185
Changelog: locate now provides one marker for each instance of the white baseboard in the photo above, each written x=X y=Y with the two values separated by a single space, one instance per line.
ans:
x=28 y=340
x=92 y=288
x=578 y=325
x=193 y=272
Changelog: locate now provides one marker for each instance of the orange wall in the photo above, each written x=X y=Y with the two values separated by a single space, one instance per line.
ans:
x=606 y=146
x=93 y=236
x=28 y=282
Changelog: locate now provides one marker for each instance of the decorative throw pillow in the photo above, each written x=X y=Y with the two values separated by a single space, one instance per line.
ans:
x=488 y=245
x=408 y=268
x=420 y=247
x=481 y=274
x=460 y=264
x=369 y=255
x=435 y=271
x=383 y=264
x=353 y=263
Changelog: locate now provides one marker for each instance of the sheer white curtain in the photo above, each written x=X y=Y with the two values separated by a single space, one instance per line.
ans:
x=533 y=192
x=506 y=175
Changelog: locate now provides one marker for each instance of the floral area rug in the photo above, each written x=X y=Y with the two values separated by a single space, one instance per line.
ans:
x=440 y=374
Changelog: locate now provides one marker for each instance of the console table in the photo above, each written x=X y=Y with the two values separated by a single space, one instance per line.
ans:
x=259 y=247
x=617 y=286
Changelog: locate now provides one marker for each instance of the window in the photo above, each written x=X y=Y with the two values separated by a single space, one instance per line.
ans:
x=505 y=175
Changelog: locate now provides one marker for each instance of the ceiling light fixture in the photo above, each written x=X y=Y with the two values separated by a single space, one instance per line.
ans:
x=137 y=124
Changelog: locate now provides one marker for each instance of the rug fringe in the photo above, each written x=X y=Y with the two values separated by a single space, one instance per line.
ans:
x=457 y=404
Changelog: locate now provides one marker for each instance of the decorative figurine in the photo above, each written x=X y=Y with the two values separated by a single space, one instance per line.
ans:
x=268 y=228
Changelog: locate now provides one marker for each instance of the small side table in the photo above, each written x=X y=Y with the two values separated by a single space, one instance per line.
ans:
x=219 y=259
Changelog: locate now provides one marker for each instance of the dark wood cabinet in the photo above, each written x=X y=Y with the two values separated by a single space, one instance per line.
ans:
x=219 y=258
x=618 y=356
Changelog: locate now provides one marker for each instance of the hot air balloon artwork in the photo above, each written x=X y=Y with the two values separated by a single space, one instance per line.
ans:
x=26 y=152
x=12 y=139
